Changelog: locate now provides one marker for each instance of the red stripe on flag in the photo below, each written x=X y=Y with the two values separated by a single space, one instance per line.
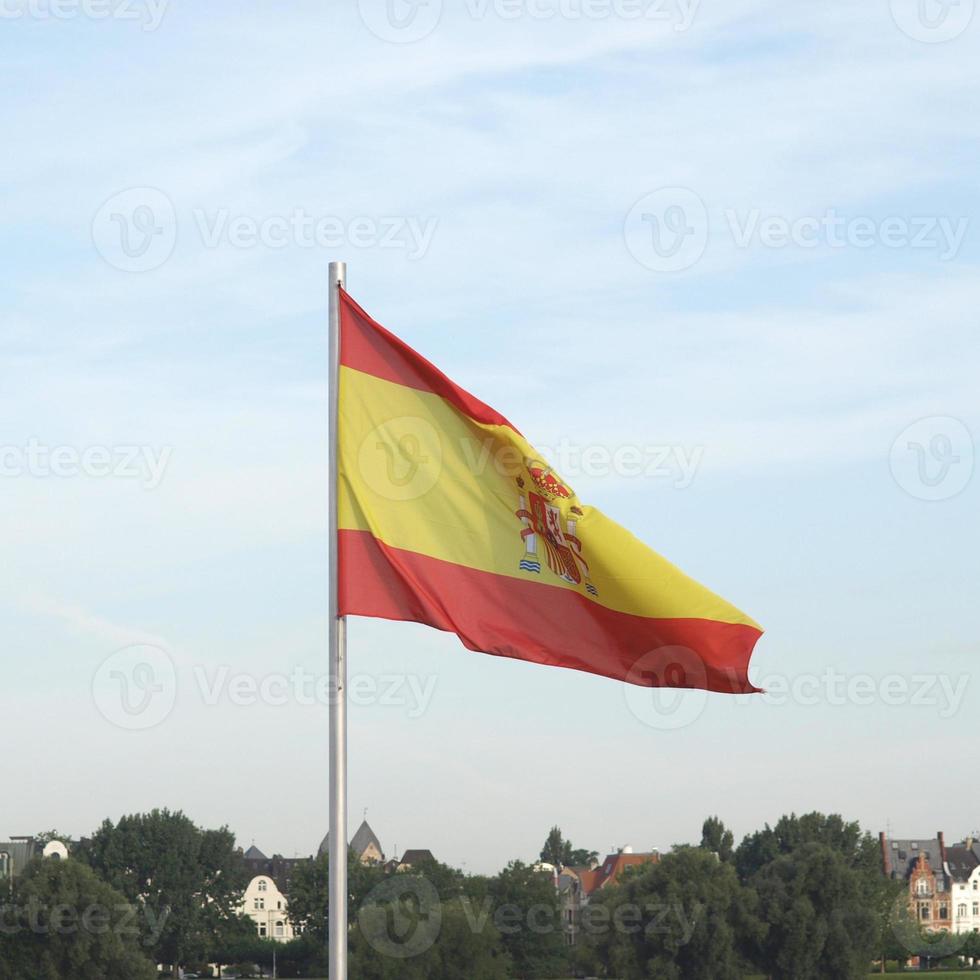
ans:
x=367 y=346
x=509 y=617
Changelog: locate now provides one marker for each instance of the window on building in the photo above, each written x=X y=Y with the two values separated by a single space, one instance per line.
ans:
x=260 y=903
x=976 y=908
x=263 y=885
x=943 y=912
x=923 y=911
x=4 y=864
x=961 y=910
x=922 y=886
x=279 y=928
x=278 y=905
x=262 y=929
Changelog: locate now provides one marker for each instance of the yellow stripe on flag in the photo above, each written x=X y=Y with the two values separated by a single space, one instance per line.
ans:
x=420 y=475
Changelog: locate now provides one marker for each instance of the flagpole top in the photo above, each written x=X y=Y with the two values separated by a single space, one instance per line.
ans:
x=337 y=273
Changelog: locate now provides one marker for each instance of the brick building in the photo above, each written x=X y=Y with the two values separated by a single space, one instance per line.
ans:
x=922 y=862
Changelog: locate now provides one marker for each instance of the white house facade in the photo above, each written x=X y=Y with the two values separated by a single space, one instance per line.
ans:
x=965 y=871
x=267 y=907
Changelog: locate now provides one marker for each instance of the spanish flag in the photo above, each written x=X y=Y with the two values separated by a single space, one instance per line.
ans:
x=448 y=516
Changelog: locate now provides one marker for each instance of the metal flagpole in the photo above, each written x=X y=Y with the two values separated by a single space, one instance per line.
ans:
x=337 y=885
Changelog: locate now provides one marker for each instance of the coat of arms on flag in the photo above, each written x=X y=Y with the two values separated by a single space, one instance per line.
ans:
x=542 y=517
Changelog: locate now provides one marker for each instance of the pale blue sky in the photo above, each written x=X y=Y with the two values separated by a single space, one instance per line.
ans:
x=522 y=144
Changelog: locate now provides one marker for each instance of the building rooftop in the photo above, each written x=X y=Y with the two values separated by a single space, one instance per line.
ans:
x=418 y=856
x=359 y=843
x=962 y=862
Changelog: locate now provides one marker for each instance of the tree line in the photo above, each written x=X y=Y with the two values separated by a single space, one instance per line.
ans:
x=802 y=899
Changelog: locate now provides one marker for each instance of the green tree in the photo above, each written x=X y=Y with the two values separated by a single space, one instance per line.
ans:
x=309 y=895
x=858 y=849
x=820 y=913
x=686 y=917
x=560 y=853
x=189 y=881
x=894 y=922
x=554 y=849
x=525 y=909
x=971 y=947
x=580 y=857
x=62 y=921
x=716 y=837
x=456 y=946
x=46 y=836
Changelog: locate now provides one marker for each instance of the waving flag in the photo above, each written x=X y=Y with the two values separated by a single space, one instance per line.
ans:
x=449 y=517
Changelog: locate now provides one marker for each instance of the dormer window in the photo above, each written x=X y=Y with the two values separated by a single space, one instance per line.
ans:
x=263 y=885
